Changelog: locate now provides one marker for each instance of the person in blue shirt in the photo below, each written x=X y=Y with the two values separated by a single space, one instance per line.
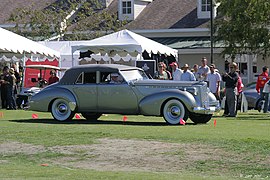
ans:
x=187 y=75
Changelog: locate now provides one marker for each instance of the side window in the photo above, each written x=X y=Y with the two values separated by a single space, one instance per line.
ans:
x=89 y=78
x=86 y=78
x=80 y=79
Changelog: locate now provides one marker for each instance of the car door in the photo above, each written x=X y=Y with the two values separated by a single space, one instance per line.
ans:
x=85 y=89
x=116 y=98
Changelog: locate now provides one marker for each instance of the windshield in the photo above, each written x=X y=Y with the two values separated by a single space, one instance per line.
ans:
x=134 y=75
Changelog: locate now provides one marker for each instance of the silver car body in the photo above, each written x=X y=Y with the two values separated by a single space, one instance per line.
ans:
x=253 y=98
x=86 y=89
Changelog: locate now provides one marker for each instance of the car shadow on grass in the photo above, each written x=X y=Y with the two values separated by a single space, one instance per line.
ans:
x=104 y=122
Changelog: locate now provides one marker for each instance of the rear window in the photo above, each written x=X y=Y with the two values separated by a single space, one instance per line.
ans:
x=86 y=78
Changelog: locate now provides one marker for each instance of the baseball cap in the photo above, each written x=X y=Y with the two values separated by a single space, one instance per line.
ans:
x=186 y=65
x=173 y=64
x=114 y=74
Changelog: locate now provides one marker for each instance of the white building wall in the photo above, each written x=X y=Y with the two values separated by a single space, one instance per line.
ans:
x=138 y=7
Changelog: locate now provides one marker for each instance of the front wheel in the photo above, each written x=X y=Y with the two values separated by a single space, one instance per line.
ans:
x=200 y=118
x=61 y=111
x=173 y=111
x=91 y=116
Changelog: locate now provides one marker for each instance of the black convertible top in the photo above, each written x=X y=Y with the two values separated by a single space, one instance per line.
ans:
x=71 y=74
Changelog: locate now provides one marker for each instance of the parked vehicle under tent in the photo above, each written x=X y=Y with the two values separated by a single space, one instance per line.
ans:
x=16 y=49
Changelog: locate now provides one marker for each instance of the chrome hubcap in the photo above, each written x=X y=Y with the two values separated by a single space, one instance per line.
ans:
x=62 y=108
x=175 y=111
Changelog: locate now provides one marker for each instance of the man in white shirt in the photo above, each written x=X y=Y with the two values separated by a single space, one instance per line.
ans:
x=266 y=90
x=187 y=75
x=213 y=78
x=176 y=72
x=195 y=71
x=203 y=70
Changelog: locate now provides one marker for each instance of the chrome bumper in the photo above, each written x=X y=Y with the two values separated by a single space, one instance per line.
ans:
x=207 y=110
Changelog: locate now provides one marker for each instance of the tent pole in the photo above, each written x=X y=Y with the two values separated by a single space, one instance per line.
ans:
x=23 y=74
x=59 y=73
x=72 y=56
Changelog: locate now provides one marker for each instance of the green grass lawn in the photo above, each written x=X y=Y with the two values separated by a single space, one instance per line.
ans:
x=142 y=147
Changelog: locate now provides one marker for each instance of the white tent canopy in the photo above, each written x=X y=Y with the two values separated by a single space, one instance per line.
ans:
x=124 y=43
x=14 y=43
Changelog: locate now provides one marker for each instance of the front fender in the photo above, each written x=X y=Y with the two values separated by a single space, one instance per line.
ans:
x=151 y=105
x=42 y=100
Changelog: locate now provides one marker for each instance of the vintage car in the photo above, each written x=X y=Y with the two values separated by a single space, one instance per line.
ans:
x=39 y=83
x=89 y=90
x=253 y=98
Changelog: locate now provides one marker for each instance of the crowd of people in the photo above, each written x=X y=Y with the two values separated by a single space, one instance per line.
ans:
x=10 y=80
x=210 y=74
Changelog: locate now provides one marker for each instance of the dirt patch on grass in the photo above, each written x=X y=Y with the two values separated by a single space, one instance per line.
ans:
x=16 y=147
x=136 y=155
x=131 y=155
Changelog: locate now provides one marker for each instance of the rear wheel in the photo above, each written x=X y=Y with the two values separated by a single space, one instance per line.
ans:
x=173 y=111
x=200 y=118
x=91 y=116
x=61 y=111
x=259 y=104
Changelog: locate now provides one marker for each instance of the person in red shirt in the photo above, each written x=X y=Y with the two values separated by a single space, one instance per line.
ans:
x=53 y=78
x=262 y=79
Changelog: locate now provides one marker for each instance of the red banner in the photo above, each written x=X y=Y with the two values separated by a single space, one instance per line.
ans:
x=35 y=73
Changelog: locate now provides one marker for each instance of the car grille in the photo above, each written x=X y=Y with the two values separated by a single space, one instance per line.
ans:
x=204 y=96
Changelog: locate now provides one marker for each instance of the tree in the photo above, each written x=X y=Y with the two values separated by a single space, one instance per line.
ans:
x=66 y=20
x=244 y=26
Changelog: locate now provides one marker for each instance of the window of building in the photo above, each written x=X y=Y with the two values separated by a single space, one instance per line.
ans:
x=126 y=7
x=206 y=5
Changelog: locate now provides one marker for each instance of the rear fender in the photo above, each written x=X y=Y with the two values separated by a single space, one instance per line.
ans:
x=152 y=104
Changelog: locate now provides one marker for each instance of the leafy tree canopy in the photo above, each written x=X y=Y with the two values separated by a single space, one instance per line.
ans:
x=244 y=26
x=67 y=20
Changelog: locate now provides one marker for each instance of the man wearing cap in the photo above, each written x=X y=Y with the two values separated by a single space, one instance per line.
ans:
x=213 y=78
x=176 y=72
x=114 y=78
x=187 y=75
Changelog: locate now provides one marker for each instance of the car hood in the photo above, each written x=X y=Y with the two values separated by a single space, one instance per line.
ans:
x=151 y=86
x=166 y=83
